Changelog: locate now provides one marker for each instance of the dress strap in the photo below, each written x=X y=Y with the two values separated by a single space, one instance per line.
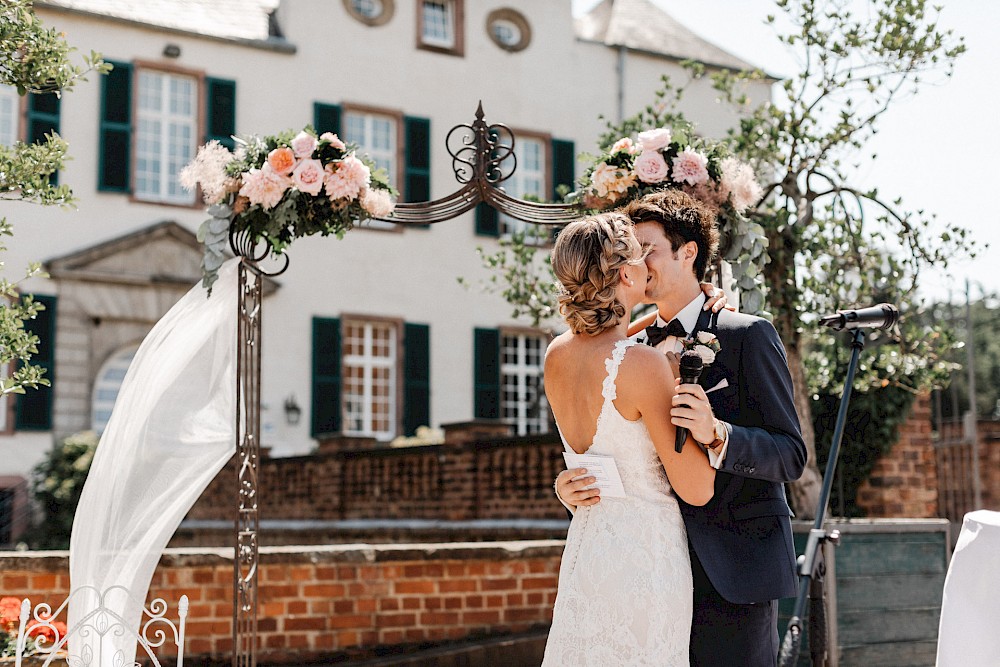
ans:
x=609 y=390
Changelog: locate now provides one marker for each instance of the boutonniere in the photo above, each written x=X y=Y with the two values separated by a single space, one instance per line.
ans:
x=705 y=345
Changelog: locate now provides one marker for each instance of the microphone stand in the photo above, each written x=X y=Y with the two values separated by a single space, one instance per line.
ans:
x=812 y=567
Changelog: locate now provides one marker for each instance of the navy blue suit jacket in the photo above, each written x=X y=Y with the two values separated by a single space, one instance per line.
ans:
x=743 y=536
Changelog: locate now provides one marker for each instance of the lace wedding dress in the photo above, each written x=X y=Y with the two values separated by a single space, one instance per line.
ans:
x=625 y=591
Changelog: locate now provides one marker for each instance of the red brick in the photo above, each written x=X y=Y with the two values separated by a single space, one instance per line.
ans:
x=438 y=618
x=498 y=584
x=491 y=617
x=396 y=620
x=405 y=587
x=456 y=585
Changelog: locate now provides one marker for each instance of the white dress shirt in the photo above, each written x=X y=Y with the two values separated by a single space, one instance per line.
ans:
x=688 y=317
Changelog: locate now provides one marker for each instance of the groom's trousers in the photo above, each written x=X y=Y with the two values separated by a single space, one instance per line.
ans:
x=724 y=634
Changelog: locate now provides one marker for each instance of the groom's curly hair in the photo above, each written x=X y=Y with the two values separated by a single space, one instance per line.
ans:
x=683 y=219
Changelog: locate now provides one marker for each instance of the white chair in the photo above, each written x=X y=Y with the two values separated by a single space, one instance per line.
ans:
x=968 y=636
x=87 y=637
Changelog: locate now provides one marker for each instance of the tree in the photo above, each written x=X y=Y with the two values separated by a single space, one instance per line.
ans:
x=36 y=62
x=832 y=245
x=56 y=486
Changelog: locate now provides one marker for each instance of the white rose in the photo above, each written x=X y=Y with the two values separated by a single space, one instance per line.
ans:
x=705 y=338
x=706 y=354
x=303 y=144
x=655 y=140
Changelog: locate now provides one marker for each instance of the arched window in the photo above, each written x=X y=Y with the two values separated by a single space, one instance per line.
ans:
x=106 y=386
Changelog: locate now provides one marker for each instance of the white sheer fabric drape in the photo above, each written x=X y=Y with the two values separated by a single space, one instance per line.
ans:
x=171 y=432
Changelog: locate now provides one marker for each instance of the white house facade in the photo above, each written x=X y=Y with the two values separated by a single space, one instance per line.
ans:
x=368 y=336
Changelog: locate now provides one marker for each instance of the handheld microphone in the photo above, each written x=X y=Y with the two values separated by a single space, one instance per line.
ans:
x=882 y=316
x=690 y=370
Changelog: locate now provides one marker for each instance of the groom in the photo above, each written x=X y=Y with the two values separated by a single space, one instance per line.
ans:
x=742 y=412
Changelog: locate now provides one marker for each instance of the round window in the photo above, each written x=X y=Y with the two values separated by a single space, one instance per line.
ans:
x=370 y=12
x=508 y=29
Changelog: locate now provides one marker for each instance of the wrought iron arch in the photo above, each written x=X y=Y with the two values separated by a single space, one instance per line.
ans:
x=479 y=153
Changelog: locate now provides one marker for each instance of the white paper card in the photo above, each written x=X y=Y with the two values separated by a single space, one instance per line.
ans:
x=602 y=467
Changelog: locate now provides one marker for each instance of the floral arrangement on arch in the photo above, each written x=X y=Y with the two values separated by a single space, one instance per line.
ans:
x=41 y=635
x=661 y=158
x=282 y=187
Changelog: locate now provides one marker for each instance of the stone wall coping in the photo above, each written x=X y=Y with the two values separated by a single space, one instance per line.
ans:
x=49 y=561
x=861 y=525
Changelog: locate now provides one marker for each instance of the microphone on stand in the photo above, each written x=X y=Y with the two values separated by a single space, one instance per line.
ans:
x=882 y=316
x=690 y=370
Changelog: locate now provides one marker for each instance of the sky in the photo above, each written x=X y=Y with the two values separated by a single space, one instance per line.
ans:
x=934 y=149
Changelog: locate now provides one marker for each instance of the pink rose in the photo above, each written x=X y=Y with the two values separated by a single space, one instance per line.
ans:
x=346 y=179
x=304 y=144
x=624 y=145
x=739 y=184
x=308 y=176
x=655 y=140
x=264 y=186
x=282 y=160
x=333 y=139
x=690 y=167
x=650 y=167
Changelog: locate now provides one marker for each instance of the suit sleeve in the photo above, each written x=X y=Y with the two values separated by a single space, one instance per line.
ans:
x=771 y=449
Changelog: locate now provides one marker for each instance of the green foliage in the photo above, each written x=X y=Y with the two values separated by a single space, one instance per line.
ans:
x=872 y=426
x=36 y=60
x=57 y=484
x=986 y=352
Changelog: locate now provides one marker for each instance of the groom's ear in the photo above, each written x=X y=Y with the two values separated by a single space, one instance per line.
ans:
x=689 y=251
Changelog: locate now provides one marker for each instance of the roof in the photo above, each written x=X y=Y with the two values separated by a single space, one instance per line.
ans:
x=238 y=20
x=642 y=26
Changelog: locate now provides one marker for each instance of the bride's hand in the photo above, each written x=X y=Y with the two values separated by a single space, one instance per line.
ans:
x=716 y=299
x=574 y=493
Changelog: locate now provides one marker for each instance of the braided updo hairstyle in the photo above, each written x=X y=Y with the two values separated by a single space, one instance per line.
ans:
x=586 y=259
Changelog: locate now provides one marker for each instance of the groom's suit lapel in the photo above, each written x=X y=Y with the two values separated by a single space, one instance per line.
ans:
x=714 y=373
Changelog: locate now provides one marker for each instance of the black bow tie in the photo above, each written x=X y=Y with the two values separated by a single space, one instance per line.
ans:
x=655 y=335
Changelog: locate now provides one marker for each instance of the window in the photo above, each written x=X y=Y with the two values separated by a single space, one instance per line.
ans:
x=166 y=135
x=371 y=12
x=106 y=386
x=508 y=29
x=522 y=396
x=377 y=136
x=369 y=386
x=528 y=180
x=10 y=107
x=439 y=25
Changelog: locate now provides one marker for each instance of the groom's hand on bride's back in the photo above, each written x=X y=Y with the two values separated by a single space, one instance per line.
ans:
x=571 y=487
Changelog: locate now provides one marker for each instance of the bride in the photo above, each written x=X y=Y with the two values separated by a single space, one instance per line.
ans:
x=625 y=589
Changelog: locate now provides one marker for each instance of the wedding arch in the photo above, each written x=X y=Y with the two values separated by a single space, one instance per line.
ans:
x=186 y=414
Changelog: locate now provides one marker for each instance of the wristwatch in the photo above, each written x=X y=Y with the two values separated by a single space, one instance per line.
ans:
x=721 y=435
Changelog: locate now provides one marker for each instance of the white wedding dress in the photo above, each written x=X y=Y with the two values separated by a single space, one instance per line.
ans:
x=625 y=590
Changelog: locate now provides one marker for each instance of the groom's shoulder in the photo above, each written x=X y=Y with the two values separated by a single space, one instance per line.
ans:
x=742 y=322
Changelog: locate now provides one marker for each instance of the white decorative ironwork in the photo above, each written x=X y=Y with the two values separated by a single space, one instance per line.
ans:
x=155 y=630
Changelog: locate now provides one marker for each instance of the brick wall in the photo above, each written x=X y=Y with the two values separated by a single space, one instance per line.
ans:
x=338 y=601
x=463 y=479
x=904 y=482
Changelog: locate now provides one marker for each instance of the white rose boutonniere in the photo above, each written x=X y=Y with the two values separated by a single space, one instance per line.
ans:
x=705 y=345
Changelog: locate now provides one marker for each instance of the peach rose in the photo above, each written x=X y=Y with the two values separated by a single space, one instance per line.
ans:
x=282 y=160
x=650 y=167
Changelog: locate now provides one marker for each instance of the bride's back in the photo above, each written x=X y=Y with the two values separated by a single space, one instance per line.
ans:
x=575 y=369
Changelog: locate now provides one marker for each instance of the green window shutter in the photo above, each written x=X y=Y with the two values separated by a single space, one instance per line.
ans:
x=416 y=377
x=563 y=166
x=486 y=399
x=220 y=111
x=326 y=118
x=325 y=415
x=417 y=171
x=487 y=223
x=114 y=170
x=43 y=118
x=33 y=410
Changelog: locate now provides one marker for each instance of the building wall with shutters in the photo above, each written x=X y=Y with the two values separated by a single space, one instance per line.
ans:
x=556 y=87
